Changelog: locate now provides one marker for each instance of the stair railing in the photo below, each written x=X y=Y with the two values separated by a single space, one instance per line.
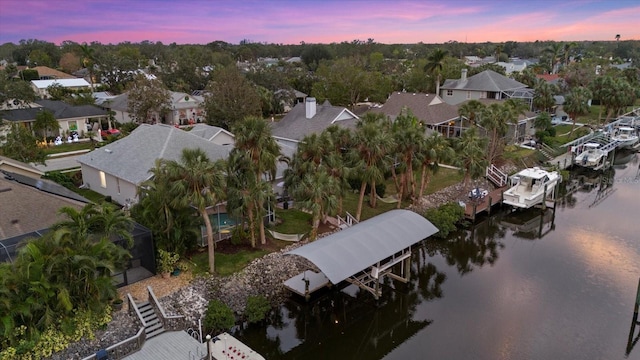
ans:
x=169 y=322
x=496 y=176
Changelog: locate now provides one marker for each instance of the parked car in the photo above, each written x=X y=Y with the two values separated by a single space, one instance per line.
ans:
x=109 y=132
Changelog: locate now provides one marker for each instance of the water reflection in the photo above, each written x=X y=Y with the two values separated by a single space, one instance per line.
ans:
x=470 y=249
x=348 y=323
x=530 y=224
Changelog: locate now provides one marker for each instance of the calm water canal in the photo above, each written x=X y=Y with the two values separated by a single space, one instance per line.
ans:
x=529 y=285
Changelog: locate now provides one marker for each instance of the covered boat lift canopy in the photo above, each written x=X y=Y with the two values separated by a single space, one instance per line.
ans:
x=364 y=253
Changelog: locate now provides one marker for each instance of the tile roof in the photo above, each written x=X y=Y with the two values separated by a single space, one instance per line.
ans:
x=296 y=126
x=428 y=108
x=131 y=157
x=487 y=80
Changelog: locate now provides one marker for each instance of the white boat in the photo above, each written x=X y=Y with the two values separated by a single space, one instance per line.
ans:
x=528 y=187
x=591 y=156
x=626 y=136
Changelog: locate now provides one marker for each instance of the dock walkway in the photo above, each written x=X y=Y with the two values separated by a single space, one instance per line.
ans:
x=475 y=207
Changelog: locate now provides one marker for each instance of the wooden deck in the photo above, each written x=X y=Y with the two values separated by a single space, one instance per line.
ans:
x=170 y=345
x=476 y=207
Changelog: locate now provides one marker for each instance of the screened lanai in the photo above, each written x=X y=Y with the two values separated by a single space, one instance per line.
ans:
x=364 y=253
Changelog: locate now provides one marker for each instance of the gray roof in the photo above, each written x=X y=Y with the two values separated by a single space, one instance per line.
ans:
x=354 y=249
x=120 y=103
x=207 y=132
x=296 y=126
x=131 y=157
x=487 y=80
x=428 y=108
x=60 y=110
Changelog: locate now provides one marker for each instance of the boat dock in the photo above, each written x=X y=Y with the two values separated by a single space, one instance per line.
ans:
x=475 y=207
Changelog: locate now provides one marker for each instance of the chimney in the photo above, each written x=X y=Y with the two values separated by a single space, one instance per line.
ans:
x=463 y=76
x=310 y=107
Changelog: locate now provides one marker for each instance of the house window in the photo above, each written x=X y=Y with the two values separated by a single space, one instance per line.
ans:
x=468 y=94
x=118 y=185
x=449 y=92
x=103 y=179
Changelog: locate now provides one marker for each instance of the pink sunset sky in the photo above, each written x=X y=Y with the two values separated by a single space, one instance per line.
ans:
x=326 y=21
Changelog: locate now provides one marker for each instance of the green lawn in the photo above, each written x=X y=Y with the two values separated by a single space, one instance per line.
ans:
x=292 y=221
x=69 y=147
x=516 y=152
x=226 y=264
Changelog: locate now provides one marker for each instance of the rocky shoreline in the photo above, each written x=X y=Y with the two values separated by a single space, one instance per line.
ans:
x=263 y=276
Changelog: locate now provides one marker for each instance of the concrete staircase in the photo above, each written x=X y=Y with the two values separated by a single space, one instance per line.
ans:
x=153 y=325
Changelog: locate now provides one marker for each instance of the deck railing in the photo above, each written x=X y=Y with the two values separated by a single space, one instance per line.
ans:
x=124 y=347
x=496 y=176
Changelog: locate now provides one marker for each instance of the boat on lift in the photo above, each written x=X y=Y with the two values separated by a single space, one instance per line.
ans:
x=591 y=156
x=627 y=137
x=531 y=187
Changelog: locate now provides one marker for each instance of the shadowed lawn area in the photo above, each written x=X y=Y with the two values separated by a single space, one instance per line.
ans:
x=443 y=178
x=292 y=221
x=226 y=264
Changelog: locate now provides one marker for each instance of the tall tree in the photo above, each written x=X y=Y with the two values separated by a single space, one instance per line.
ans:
x=147 y=97
x=408 y=134
x=21 y=145
x=372 y=145
x=576 y=104
x=253 y=138
x=88 y=60
x=470 y=153
x=470 y=110
x=198 y=182
x=231 y=98
x=317 y=194
x=543 y=95
x=554 y=51
x=435 y=64
x=434 y=150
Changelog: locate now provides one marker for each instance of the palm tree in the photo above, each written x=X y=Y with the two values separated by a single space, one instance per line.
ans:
x=470 y=110
x=198 y=182
x=172 y=226
x=543 y=95
x=555 y=53
x=470 y=152
x=408 y=135
x=371 y=147
x=88 y=60
x=566 y=51
x=494 y=119
x=253 y=136
x=576 y=104
x=435 y=64
x=317 y=194
x=434 y=150
x=247 y=193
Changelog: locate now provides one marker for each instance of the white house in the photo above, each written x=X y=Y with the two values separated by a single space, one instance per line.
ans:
x=184 y=109
x=41 y=86
x=118 y=168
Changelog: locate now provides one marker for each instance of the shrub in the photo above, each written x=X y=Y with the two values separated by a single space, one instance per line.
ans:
x=445 y=218
x=257 y=308
x=167 y=261
x=219 y=317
